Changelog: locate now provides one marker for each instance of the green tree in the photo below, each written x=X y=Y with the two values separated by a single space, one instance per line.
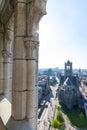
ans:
x=56 y=123
x=59 y=116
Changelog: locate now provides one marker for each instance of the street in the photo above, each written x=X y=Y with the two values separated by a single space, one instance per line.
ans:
x=47 y=110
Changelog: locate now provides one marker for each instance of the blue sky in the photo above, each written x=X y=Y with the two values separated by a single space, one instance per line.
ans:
x=63 y=34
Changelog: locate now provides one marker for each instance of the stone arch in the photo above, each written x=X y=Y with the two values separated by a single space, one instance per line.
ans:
x=19 y=21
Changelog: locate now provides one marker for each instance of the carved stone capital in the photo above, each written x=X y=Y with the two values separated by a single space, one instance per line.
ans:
x=31 y=45
x=6 y=54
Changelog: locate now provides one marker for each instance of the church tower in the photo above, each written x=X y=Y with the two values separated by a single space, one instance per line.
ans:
x=68 y=70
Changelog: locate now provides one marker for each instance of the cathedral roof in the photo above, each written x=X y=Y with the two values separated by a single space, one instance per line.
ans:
x=67 y=82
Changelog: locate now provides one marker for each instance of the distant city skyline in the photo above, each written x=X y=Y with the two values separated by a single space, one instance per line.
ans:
x=63 y=34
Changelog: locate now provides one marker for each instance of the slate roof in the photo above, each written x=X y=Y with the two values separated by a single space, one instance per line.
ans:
x=67 y=82
x=82 y=101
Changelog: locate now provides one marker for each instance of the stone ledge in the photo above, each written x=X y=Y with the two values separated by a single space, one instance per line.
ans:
x=18 y=125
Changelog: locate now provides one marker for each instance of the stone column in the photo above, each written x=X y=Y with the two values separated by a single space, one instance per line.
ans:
x=19 y=81
x=35 y=10
x=1 y=60
x=24 y=91
x=36 y=81
x=31 y=114
x=7 y=62
x=8 y=58
x=6 y=75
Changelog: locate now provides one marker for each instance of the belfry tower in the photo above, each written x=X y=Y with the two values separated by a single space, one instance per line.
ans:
x=68 y=70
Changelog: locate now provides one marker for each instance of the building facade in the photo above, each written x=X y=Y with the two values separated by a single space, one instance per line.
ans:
x=68 y=92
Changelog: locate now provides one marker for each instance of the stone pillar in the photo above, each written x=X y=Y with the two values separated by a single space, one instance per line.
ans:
x=1 y=61
x=36 y=81
x=31 y=44
x=7 y=62
x=25 y=61
x=35 y=10
x=9 y=41
x=6 y=75
x=19 y=81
